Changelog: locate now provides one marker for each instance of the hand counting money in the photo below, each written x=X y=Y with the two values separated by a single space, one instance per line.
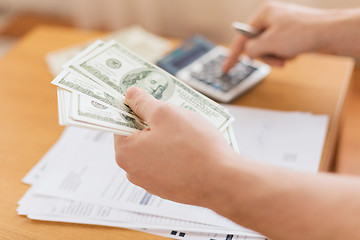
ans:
x=93 y=85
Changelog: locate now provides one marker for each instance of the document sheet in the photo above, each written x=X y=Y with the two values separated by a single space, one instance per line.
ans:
x=78 y=180
x=292 y=140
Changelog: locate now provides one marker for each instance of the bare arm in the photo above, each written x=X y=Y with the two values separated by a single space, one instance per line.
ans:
x=289 y=29
x=288 y=205
x=182 y=157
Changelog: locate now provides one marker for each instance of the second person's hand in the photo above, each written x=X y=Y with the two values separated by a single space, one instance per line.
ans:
x=286 y=30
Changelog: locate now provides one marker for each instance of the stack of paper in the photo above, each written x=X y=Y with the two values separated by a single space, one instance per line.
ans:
x=78 y=180
x=292 y=140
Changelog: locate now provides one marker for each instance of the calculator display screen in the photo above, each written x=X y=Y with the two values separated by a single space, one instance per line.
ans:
x=190 y=56
x=189 y=51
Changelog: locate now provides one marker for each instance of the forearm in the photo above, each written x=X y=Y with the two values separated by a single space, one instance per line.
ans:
x=341 y=32
x=279 y=203
x=283 y=204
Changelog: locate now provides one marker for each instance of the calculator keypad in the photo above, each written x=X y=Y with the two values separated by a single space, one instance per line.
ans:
x=211 y=73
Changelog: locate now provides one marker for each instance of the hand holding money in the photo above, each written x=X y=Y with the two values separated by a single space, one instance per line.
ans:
x=93 y=84
x=177 y=156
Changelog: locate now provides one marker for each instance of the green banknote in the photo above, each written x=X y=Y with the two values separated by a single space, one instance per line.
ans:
x=76 y=83
x=83 y=111
x=116 y=68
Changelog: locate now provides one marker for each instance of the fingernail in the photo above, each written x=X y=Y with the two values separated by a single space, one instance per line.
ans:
x=132 y=92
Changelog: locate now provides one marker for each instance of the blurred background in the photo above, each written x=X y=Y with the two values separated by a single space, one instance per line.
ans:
x=175 y=18
x=169 y=18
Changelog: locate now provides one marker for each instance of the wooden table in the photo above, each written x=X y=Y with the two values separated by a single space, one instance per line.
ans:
x=29 y=121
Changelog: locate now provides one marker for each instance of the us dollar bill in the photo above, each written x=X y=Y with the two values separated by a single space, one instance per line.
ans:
x=78 y=110
x=85 y=112
x=74 y=82
x=229 y=136
x=117 y=69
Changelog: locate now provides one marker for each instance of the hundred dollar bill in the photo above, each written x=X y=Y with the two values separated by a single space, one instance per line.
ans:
x=117 y=69
x=74 y=82
x=84 y=112
x=87 y=110
x=229 y=136
x=61 y=108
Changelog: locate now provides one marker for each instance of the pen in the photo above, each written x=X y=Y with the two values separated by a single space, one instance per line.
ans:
x=246 y=29
x=251 y=32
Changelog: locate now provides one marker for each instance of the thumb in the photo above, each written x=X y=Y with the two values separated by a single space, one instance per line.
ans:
x=141 y=102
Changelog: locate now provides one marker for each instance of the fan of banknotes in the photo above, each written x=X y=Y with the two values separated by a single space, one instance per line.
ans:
x=92 y=86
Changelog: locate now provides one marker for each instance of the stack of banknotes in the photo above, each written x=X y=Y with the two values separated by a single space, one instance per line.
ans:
x=92 y=86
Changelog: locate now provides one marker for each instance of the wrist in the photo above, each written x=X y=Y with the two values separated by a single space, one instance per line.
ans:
x=339 y=32
x=215 y=186
x=234 y=185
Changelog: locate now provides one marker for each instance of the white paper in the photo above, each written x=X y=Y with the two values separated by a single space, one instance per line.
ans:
x=35 y=205
x=95 y=177
x=292 y=140
x=79 y=181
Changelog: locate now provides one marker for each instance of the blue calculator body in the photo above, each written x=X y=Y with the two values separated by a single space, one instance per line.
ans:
x=198 y=62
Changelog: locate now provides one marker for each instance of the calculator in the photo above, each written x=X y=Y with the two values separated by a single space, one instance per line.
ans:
x=198 y=62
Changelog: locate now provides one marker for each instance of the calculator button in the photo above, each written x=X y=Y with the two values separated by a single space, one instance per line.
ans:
x=210 y=73
x=226 y=87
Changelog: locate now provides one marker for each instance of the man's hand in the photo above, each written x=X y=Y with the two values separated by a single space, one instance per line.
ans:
x=183 y=158
x=177 y=156
x=288 y=30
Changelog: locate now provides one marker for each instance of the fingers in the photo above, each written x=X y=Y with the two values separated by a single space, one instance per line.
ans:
x=258 y=21
x=119 y=154
x=237 y=49
x=264 y=48
x=118 y=138
x=273 y=61
x=141 y=102
x=124 y=146
x=258 y=47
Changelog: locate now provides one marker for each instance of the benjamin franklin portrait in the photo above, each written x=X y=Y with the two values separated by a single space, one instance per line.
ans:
x=153 y=81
